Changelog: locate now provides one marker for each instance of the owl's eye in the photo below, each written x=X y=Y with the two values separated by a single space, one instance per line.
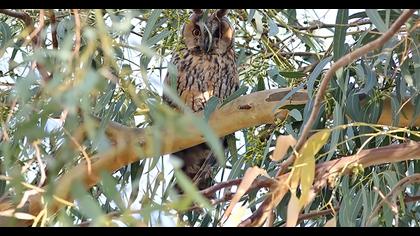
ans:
x=196 y=32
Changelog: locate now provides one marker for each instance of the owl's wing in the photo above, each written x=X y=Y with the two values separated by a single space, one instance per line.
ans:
x=198 y=163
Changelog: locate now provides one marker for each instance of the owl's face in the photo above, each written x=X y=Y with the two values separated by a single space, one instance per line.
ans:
x=211 y=34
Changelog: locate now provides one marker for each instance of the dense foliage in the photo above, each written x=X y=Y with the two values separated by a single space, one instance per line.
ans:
x=74 y=65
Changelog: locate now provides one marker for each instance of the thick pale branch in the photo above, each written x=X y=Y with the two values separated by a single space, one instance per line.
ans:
x=133 y=144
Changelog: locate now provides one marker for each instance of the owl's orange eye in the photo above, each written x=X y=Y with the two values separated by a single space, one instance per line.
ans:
x=196 y=32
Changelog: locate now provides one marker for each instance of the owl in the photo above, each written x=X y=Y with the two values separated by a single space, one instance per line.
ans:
x=206 y=67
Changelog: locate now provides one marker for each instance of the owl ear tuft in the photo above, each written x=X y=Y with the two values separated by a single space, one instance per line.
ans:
x=197 y=13
x=221 y=13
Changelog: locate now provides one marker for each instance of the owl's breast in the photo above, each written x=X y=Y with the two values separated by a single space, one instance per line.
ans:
x=202 y=76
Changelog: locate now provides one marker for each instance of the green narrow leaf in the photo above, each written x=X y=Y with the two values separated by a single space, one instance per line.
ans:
x=206 y=221
x=86 y=204
x=309 y=42
x=391 y=178
x=5 y=34
x=296 y=114
x=267 y=147
x=376 y=183
x=387 y=17
x=188 y=187
x=158 y=37
x=376 y=20
x=291 y=16
x=237 y=169
x=371 y=80
x=340 y=33
x=416 y=65
x=2 y=187
x=273 y=73
x=315 y=73
x=361 y=39
x=240 y=91
x=210 y=107
x=258 y=22
x=350 y=208
x=212 y=140
x=109 y=187
x=135 y=176
x=386 y=54
x=335 y=135
x=251 y=15
x=273 y=28
x=367 y=204
x=151 y=24
x=154 y=160
x=231 y=141
x=293 y=91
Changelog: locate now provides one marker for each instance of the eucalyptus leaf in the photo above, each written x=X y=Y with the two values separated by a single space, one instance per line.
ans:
x=210 y=107
x=340 y=33
x=376 y=20
x=5 y=34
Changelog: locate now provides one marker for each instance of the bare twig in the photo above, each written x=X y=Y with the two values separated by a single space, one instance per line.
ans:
x=320 y=25
x=392 y=206
x=397 y=188
x=81 y=149
x=37 y=30
x=20 y=15
x=40 y=163
x=77 y=31
x=35 y=39
x=260 y=182
x=213 y=189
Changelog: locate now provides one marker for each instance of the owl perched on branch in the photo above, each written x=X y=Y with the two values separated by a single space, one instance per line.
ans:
x=206 y=67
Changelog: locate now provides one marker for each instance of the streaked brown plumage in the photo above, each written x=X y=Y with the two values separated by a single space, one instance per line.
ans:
x=206 y=67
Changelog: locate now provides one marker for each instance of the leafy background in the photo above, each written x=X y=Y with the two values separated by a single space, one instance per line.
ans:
x=117 y=75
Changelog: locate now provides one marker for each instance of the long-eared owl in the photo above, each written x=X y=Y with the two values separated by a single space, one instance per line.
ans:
x=206 y=67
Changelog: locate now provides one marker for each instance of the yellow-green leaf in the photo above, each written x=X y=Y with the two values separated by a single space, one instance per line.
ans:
x=293 y=210
x=307 y=161
x=303 y=173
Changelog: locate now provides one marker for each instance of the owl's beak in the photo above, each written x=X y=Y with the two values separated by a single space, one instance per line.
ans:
x=207 y=42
